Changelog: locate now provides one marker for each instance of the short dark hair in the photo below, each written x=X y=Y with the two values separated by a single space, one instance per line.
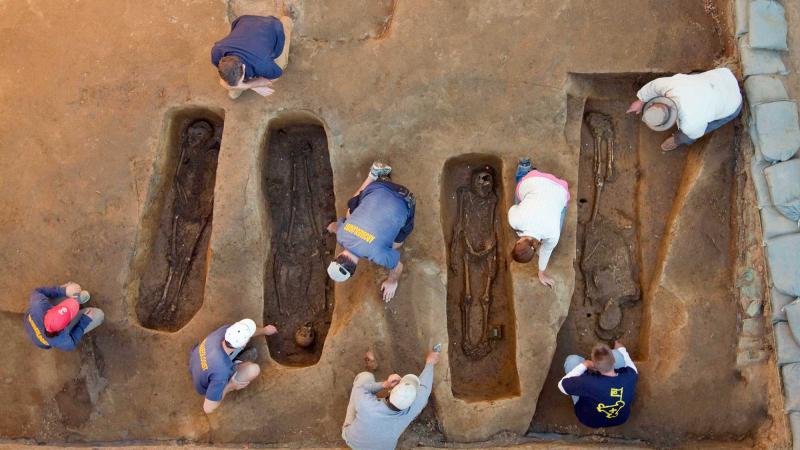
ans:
x=347 y=263
x=230 y=69
x=525 y=249
x=603 y=358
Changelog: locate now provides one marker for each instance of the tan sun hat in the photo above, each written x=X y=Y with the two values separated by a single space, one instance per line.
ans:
x=659 y=118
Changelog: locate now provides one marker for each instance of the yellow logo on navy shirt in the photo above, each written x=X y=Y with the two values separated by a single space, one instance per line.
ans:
x=202 y=352
x=612 y=411
x=359 y=233
x=37 y=332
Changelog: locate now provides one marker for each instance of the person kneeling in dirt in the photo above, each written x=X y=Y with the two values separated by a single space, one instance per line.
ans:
x=218 y=364
x=55 y=319
x=378 y=413
x=380 y=216
x=603 y=396
x=699 y=103
x=538 y=216
x=254 y=53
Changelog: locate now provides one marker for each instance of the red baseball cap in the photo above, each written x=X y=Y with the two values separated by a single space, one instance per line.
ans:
x=58 y=317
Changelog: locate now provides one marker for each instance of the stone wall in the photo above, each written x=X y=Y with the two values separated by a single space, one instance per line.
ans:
x=761 y=30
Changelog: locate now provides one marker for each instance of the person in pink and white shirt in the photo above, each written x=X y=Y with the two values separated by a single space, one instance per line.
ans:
x=538 y=216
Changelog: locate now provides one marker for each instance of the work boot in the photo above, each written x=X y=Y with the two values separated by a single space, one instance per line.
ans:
x=249 y=354
x=670 y=144
x=379 y=170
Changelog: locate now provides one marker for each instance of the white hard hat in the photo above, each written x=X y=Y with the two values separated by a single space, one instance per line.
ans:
x=239 y=333
x=403 y=395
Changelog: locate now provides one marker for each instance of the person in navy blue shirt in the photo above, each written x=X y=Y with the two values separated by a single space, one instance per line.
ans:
x=217 y=363
x=380 y=216
x=602 y=388
x=254 y=53
x=54 y=318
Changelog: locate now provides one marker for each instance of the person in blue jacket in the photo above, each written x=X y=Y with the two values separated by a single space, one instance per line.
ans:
x=55 y=319
x=254 y=53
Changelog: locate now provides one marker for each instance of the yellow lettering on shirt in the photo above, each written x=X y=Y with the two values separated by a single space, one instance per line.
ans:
x=359 y=233
x=202 y=352
x=37 y=332
x=612 y=411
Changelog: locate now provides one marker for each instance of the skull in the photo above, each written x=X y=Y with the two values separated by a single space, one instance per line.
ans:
x=304 y=336
x=482 y=182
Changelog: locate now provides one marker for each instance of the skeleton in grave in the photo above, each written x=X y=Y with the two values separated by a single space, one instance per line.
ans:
x=473 y=259
x=301 y=241
x=610 y=273
x=190 y=217
x=602 y=131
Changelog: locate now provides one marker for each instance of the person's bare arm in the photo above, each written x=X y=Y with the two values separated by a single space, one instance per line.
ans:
x=268 y=330
x=389 y=286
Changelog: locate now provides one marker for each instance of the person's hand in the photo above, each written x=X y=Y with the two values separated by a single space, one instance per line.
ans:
x=332 y=227
x=588 y=364
x=617 y=345
x=388 y=288
x=432 y=358
x=636 y=107
x=73 y=289
x=392 y=381
x=263 y=90
x=269 y=330
x=546 y=280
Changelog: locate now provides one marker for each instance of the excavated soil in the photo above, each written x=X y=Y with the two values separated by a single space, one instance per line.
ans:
x=298 y=293
x=173 y=282
x=480 y=307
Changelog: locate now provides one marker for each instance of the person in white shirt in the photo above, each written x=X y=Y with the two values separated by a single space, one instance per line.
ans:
x=538 y=216
x=699 y=103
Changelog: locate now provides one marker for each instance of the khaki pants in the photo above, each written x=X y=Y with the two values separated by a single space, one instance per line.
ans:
x=283 y=59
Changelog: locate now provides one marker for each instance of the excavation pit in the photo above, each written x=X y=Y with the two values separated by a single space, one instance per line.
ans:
x=648 y=265
x=298 y=187
x=480 y=307
x=173 y=281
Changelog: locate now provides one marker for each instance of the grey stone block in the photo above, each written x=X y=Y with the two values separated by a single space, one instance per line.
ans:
x=765 y=89
x=792 y=311
x=767 y=25
x=791 y=387
x=741 y=12
x=783 y=257
x=778 y=301
x=777 y=130
x=760 y=62
x=774 y=224
x=784 y=188
x=788 y=350
x=757 y=166
x=794 y=425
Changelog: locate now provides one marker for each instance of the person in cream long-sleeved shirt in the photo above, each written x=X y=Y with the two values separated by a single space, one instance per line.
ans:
x=538 y=216
x=699 y=103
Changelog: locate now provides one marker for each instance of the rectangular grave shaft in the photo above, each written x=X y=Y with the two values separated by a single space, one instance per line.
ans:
x=299 y=192
x=480 y=308
x=173 y=281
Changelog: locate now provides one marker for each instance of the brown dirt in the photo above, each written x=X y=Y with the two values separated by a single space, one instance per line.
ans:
x=639 y=211
x=172 y=287
x=480 y=326
x=298 y=295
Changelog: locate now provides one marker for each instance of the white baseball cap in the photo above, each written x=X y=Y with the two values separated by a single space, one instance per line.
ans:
x=341 y=269
x=239 y=333
x=403 y=395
